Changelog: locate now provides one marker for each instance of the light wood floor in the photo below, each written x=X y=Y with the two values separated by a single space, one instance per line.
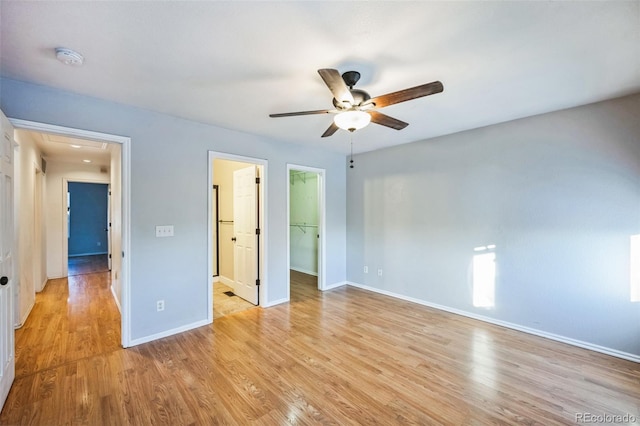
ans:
x=345 y=356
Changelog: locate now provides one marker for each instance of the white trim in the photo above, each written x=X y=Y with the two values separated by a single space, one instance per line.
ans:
x=115 y=298
x=168 y=333
x=276 y=302
x=335 y=285
x=262 y=219
x=226 y=281
x=304 y=271
x=322 y=213
x=40 y=230
x=25 y=316
x=43 y=285
x=89 y=254
x=125 y=153
x=68 y=131
x=55 y=278
x=573 y=342
x=65 y=226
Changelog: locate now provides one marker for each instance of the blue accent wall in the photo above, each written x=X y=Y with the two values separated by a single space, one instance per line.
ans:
x=89 y=203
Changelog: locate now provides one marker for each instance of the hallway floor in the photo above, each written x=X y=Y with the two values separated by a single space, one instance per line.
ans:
x=79 y=265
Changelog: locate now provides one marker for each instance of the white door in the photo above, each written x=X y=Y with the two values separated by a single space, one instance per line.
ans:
x=7 y=360
x=245 y=218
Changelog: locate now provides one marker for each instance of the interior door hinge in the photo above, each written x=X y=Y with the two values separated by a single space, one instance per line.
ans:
x=258 y=282
x=257 y=231
x=257 y=180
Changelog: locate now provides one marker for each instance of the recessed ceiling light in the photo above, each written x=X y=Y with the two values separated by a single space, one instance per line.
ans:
x=87 y=161
x=76 y=146
x=69 y=57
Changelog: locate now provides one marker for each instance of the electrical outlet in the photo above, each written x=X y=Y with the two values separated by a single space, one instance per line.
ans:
x=164 y=231
x=366 y=269
x=379 y=272
x=160 y=305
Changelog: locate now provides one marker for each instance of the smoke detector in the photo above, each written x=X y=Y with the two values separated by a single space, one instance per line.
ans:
x=69 y=57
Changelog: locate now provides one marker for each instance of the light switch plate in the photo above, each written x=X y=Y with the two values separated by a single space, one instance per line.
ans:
x=164 y=231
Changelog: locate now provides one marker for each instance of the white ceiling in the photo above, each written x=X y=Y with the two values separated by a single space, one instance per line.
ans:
x=56 y=148
x=230 y=64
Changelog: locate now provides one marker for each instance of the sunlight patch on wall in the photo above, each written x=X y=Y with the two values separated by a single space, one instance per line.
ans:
x=634 y=262
x=484 y=276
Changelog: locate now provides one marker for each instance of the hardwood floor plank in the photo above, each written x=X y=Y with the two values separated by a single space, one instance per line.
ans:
x=340 y=357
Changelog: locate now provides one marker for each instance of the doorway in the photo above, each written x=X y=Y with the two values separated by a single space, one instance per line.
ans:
x=237 y=206
x=120 y=219
x=306 y=218
x=87 y=228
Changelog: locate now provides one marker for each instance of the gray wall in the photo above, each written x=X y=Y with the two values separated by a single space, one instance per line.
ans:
x=559 y=195
x=88 y=219
x=169 y=186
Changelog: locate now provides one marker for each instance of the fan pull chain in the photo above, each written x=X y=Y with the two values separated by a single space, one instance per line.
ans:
x=351 y=161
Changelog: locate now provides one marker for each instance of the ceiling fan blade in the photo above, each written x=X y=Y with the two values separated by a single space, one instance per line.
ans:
x=291 y=114
x=336 y=84
x=407 y=94
x=385 y=120
x=331 y=130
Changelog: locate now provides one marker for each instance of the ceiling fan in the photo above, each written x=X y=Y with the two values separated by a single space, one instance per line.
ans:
x=355 y=109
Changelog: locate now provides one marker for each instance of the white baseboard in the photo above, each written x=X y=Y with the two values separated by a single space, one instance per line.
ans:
x=115 y=297
x=56 y=278
x=168 y=333
x=26 y=315
x=216 y=279
x=579 y=343
x=43 y=285
x=88 y=254
x=226 y=281
x=334 y=285
x=304 y=271
x=275 y=302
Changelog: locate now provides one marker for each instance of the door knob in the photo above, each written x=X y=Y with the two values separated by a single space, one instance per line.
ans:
x=233 y=239
x=4 y=281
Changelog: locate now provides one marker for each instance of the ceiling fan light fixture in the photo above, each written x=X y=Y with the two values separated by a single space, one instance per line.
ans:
x=352 y=120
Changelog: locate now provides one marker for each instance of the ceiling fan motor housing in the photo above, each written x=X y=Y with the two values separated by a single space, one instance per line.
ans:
x=359 y=96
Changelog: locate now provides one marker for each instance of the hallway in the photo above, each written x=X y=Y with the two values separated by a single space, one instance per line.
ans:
x=72 y=319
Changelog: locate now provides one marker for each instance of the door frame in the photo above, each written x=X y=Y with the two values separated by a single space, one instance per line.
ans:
x=262 y=224
x=125 y=154
x=321 y=224
x=38 y=231
x=65 y=223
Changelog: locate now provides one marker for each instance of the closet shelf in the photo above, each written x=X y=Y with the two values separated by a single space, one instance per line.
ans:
x=302 y=226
